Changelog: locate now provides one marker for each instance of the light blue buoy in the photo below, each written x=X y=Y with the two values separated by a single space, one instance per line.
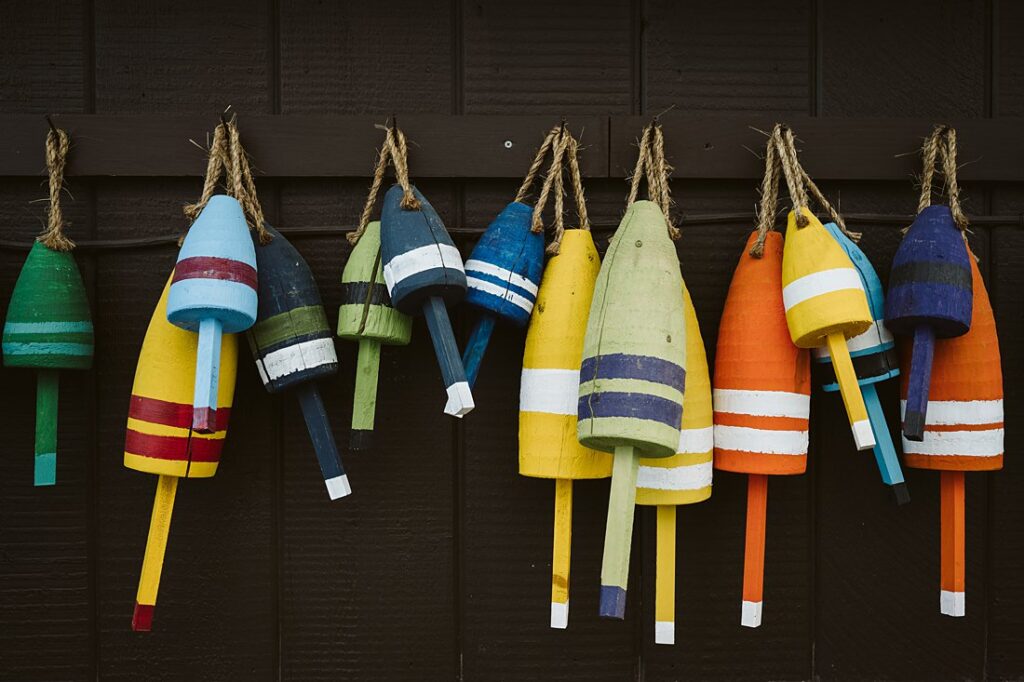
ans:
x=213 y=291
x=874 y=359
x=503 y=274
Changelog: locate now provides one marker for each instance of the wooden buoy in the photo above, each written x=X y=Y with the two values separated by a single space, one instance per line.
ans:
x=683 y=478
x=825 y=305
x=366 y=316
x=213 y=292
x=292 y=345
x=48 y=328
x=632 y=376
x=423 y=271
x=160 y=438
x=963 y=430
x=762 y=399
x=874 y=359
x=502 y=274
x=549 y=396
x=929 y=297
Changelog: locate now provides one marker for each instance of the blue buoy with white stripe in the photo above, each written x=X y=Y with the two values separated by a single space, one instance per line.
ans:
x=874 y=359
x=213 y=291
x=292 y=345
x=423 y=271
x=503 y=274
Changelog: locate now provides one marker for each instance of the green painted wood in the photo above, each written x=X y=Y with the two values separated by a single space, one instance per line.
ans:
x=45 y=469
x=365 y=403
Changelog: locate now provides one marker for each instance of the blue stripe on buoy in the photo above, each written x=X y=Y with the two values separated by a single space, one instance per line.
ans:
x=631 y=406
x=18 y=348
x=624 y=366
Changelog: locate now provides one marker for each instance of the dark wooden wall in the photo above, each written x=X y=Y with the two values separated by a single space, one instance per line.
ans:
x=438 y=566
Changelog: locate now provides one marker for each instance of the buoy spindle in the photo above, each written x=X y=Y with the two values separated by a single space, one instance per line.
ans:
x=952 y=594
x=156 y=547
x=47 y=399
x=920 y=379
x=473 y=356
x=753 y=550
x=364 y=407
x=618 y=533
x=460 y=399
x=561 y=552
x=853 y=400
x=204 y=401
x=885 y=452
x=665 y=577
x=319 y=427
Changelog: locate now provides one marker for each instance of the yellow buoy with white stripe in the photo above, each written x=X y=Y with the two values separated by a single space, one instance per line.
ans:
x=825 y=305
x=549 y=395
x=683 y=478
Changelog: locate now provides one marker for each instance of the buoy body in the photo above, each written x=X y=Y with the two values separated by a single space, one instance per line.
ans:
x=48 y=327
x=159 y=438
x=826 y=304
x=929 y=297
x=423 y=271
x=874 y=359
x=366 y=316
x=213 y=291
x=293 y=346
x=633 y=374
x=503 y=274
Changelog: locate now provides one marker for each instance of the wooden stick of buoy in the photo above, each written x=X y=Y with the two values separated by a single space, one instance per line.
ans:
x=951 y=596
x=753 y=550
x=47 y=399
x=849 y=389
x=561 y=550
x=665 y=576
x=153 y=560
x=618 y=532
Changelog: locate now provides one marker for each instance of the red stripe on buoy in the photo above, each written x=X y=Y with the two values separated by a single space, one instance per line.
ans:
x=173 y=447
x=157 y=411
x=208 y=267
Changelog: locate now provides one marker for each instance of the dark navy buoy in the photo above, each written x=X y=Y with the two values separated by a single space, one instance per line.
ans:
x=293 y=346
x=930 y=296
x=503 y=275
x=423 y=271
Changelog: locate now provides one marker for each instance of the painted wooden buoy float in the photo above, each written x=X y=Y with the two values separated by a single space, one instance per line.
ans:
x=825 y=305
x=762 y=399
x=963 y=431
x=633 y=374
x=503 y=274
x=549 y=395
x=423 y=271
x=160 y=438
x=874 y=360
x=213 y=292
x=292 y=345
x=366 y=316
x=929 y=297
x=683 y=478
x=48 y=328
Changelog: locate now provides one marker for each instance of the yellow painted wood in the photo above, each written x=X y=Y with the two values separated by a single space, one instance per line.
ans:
x=849 y=387
x=665 y=573
x=562 y=544
x=156 y=543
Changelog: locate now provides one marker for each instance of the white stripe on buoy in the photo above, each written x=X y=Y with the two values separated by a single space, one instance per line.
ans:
x=664 y=632
x=819 y=283
x=298 y=357
x=751 y=614
x=338 y=486
x=863 y=436
x=559 y=615
x=554 y=391
x=952 y=603
x=961 y=412
x=875 y=336
x=686 y=477
x=696 y=440
x=501 y=273
x=767 y=441
x=419 y=260
x=497 y=290
x=762 y=403
x=460 y=400
x=984 y=443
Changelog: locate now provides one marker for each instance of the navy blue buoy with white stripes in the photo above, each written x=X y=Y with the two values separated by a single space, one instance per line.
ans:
x=423 y=271
x=293 y=346
x=503 y=274
x=930 y=296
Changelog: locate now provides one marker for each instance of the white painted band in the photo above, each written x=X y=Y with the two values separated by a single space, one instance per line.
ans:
x=664 y=632
x=875 y=336
x=987 y=443
x=559 y=615
x=501 y=292
x=460 y=400
x=762 y=403
x=338 y=486
x=696 y=441
x=686 y=477
x=554 y=391
x=961 y=412
x=420 y=260
x=501 y=273
x=47 y=327
x=750 y=616
x=952 y=603
x=291 y=359
x=746 y=439
x=863 y=435
x=819 y=283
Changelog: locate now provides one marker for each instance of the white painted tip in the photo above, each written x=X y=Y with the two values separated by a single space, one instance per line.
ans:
x=863 y=436
x=559 y=615
x=460 y=400
x=338 y=486
x=664 y=632
x=952 y=603
x=751 y=614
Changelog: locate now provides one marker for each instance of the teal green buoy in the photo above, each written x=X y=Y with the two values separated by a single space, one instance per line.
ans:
x=48 y=325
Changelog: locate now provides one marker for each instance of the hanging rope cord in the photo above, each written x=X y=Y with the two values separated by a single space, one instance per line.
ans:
x=58 y=143
x=395 y=151
x=228 y=158
x=941 y=146
x=652 y=165
x=769 y=192
x=565 y=156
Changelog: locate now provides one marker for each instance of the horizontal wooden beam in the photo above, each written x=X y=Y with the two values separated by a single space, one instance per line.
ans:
x=699 y=146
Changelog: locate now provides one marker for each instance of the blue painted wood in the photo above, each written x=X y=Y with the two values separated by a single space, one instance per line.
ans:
x=445 y=348
x=930 y=296
x=319 y=427
x=473 y=356
x=885 y=451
